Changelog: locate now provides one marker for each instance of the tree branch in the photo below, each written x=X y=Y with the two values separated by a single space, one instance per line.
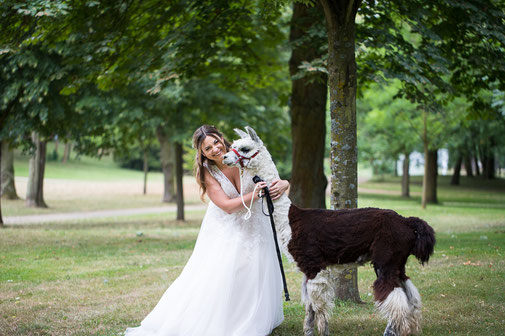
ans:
x=327 y=13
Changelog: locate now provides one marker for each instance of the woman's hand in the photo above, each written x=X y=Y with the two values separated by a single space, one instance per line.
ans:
x=277 y=188
x=259 y=189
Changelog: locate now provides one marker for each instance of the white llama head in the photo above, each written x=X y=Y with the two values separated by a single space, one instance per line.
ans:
x=244 y=150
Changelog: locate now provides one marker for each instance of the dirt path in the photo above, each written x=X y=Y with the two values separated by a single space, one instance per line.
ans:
x=68 y=189
x=72 y=216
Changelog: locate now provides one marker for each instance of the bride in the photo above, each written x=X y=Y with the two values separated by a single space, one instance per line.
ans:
x=231 y=285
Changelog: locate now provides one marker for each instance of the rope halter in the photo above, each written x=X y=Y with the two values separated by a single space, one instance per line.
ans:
x=241 y=158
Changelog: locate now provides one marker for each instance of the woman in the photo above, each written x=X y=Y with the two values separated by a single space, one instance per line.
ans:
x=231 y=285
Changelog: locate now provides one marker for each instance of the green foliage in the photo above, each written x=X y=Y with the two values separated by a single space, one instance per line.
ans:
x=388 y=126
x=125 y=68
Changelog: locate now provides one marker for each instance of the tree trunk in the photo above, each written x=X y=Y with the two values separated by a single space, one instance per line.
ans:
x=488 y=160
x=340 y=26
x=406 y=176
x=308 y=112
x=167 y=165
x=1 y=218
x=34 y=192
x=7 y=175
x=66 y=152
x=489 y=171
x=457 y=170
x=179 y=180
x=468 y=165
x=476 y=163
x=146 y=169
x=55 y=151
x=430 y=180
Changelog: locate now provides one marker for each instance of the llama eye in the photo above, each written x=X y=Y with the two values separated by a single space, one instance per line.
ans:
x=245 y=149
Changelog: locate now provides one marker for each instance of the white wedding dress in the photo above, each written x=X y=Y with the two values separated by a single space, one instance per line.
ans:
x=231 y=285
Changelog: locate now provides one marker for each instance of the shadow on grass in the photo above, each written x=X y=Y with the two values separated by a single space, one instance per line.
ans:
x=107 y=223
x=474 y=204
x=389 y=197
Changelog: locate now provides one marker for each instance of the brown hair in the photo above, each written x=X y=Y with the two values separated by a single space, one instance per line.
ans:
x=198 y=137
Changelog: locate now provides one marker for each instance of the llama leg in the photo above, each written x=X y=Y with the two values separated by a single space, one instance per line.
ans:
x=389 y=330
x=321 y=292
x=393 y=304
x=308 y=323
x=414 y=300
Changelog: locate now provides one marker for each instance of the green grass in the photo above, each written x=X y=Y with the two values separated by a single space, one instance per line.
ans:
x=97 y=277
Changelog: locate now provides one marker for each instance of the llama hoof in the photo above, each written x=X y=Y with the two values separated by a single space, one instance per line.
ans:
x=389 y=330
x=308 y=332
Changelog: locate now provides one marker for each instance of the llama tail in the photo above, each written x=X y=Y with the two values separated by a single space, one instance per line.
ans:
x=425 y=239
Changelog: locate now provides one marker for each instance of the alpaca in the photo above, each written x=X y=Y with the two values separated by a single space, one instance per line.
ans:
x=322 y=241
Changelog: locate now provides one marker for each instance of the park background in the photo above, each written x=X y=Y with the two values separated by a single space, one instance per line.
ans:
x=99 y=99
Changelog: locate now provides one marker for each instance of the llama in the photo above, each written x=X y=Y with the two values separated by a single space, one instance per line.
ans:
x=322 y=241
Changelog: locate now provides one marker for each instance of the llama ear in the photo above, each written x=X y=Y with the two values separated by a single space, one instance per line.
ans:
x=253 y=135
x=241 y=133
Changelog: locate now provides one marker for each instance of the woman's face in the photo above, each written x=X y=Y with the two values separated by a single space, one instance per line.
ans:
x=213 y=149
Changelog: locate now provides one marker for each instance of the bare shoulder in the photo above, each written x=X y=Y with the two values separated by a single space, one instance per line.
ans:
x=210 y=181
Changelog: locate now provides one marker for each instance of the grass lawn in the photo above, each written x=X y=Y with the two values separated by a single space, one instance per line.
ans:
x=97 y=277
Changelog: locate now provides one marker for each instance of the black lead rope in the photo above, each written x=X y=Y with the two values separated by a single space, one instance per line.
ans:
x=270 y=206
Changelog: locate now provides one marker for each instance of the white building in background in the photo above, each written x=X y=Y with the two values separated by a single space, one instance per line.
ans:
x=417 y=163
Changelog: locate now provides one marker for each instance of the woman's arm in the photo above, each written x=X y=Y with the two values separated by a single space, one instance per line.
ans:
x=219 y=198
x=277 y=188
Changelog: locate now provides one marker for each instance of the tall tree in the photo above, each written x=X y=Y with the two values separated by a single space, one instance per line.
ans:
x=7 y=172
x=179 y=180
x=341 y=31
x=167 y=164
x=308 y=107
x=1 y=218
x=36 y=168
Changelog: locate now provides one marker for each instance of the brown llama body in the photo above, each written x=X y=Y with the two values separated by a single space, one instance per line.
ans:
x=320 y=238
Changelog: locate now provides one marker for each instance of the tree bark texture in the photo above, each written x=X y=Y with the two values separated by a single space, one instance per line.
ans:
x=308 y=112
x=1 y=218
x=457 y=170
x=36 y=167
x=167 y=165
x=406 y=176
x=340 y=25
x=7 y=175
x=179 y=180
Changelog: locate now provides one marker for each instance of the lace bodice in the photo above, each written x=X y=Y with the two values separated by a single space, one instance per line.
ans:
x=228 y=187
x=250 y=231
